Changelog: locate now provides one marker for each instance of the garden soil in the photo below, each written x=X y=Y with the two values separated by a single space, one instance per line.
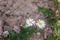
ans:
x=15 y=12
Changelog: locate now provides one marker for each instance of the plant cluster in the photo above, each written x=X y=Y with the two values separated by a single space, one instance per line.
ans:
x=27 y=30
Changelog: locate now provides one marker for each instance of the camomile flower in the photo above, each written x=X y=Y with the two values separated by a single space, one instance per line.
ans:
x=30 y=22
x=41 y=24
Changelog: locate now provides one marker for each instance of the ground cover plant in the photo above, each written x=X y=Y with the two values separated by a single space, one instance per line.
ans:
x=27 y=30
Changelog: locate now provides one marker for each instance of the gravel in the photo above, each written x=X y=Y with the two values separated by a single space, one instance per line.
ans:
x=15 y=12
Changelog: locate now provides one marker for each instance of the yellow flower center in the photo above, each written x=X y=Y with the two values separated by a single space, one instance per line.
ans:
x=30 y=21
x=40 y=23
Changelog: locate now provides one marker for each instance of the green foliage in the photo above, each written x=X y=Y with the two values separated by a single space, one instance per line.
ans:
x=52 y=20
x=27 y=32
x=24 y=34
x=55 y=3
x=42 y=9
x=57 y=31
x=51 y=38
x=13 y=36
x=49 y=14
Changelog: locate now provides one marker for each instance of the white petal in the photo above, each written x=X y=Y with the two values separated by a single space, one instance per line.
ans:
x=41 y=26
x=28 y=20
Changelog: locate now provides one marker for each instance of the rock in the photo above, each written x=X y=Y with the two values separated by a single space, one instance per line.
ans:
x=47 y=32
x=8 y=28
x=38 y=33
x=37 y=36
x=5 y=34
x=12 y=21
x=58 y=23
x=58 y=13
x=16 y=29
x=45 y=35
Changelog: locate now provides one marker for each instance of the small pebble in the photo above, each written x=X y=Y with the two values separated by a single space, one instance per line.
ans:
x=5 y=33
x=58 y=23
x=16 y=29
x=38 y=33
x=59 y=1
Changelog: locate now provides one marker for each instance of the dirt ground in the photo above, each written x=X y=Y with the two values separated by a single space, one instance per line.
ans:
x=15 y=12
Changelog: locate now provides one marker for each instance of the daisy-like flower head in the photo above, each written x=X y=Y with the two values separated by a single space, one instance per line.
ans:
x=41 y=24
x=30 y=22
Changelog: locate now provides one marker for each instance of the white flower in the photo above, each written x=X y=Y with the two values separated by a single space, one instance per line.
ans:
x=30 y=22
x=41 y=24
